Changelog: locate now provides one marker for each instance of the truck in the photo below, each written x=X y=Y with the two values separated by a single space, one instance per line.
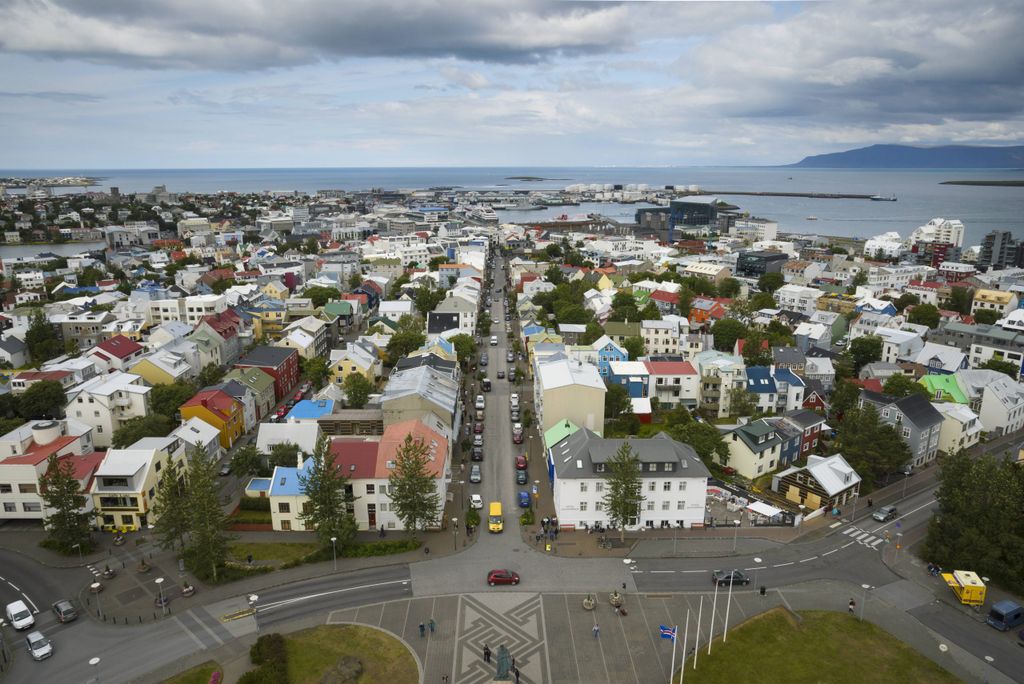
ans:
x=1005 y=615
x=967 y=586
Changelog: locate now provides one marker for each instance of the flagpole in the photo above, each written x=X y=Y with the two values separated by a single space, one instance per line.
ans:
x=714 y=605
x=728 y=604
x=675 y=638
x=686 y=634
x=696 y=643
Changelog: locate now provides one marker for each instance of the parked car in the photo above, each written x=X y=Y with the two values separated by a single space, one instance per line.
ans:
x=477 y=454
x=476 y=501
x=480 y=402
x=494 y=340
x=513 y=400
x=483 y=360
x=510 y=357
x=39 y=646
x=281 y=412
x=501 y=375
x=511 y=374
x=520 y=462
x=299 y=396
x=524 y=499
x=514 y=415
x=64 y=611
x=502 y=577
x=478 y=428
x=225 y=470
x=884 y=514
x=478 y=440
x=517 y=433
x=729 y=577
x=521 y=477
x=475 y=476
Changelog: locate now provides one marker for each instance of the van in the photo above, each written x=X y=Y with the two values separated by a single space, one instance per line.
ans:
x=485 y=384
x=19 y=615
x=495 y=523
x=494 y=340
x=1005 y=615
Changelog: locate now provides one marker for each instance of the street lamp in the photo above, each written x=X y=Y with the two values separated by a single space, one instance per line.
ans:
x=334 y=552
x=906 y=476
x=455 y=534
x=96 y=586
x=758 y=561
x=94 y=663
x=253 y=598
x=79 y=547
x=864 y=602
x=736 y=534
x=160 y=587
x=529 y=449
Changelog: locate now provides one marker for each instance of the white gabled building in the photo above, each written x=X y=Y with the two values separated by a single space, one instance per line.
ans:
x=960 y=429
x=106 y=402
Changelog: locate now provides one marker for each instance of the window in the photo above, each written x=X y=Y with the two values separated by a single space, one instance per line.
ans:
x=665 y=505
x=651 y=486
x=28 y=489
x=286 y=525
x=371 y=489
x=96 y=414
x=599 y=506
x=680 y=505
x=906 y=433
x=151 y=492
x=666 y=486
x=652 y=467
x=583 y=506
x=682 y=485
x=650 y=505
x=284 y=508
x=583 y=487
x=99 y=429
x=5 y=489
x=599 y=487
x=32 y=507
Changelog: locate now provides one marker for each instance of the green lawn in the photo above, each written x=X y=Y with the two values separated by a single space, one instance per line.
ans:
x=200 y=674
x=281 y=552
x=827 y=647
x=385 y=658
x=253 y=517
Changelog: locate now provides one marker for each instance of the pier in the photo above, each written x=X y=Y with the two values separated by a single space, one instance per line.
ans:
x=811 y=195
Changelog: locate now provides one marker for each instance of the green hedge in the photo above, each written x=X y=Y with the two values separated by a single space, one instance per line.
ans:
x=361 y=550
x=254 y=503
x=270 y=654
x=527 y=517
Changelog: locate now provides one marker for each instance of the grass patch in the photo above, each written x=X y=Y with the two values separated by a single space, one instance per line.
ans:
x=313 y=651
x=282 y=552
x=251 y=517
x=200 y=674
x=832 y=647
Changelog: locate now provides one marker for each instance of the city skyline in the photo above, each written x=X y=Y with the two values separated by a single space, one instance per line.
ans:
x=217 y=84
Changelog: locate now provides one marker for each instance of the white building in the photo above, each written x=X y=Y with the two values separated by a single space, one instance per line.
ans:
x=899 y=345
x=798 y=298
x=106 y=402
x=960 y=429
x=1002 y=406
x=887 y=246
x=950 y=231
x=660 y=337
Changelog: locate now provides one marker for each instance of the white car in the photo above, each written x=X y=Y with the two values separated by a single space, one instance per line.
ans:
x=513 y=400
x=480 y=402
x=476 y=501
x=19 y=615
x=39 y=646
x=494 y=340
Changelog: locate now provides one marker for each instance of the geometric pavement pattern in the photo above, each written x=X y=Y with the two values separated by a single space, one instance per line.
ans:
x=506 y=618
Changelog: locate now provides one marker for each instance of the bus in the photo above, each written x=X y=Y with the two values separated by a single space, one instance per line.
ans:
x=495 y=523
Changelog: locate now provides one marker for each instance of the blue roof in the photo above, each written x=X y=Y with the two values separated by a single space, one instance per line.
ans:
x=786 y=375
x=760 y=381
x=258 y=484
x=285 y=481
x=311 y=410
x=531 y=329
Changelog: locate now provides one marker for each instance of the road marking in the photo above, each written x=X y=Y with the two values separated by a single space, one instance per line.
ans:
x=805 y=560
x=297 y=599
x=851 y=530
x=847 y=544
x=691 y=571
x=660 y=572
x=835 y=525
x=869 y=540
x=781 y=565
x=875 y=543
x=16 y=588
x=861 y=536
x=829 y=552
x=915 y=510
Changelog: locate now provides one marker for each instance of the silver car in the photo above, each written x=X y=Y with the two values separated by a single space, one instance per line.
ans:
x=38 y=645
x=475 y=475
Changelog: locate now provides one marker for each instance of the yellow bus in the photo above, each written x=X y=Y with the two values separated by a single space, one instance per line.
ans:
x=495 y=523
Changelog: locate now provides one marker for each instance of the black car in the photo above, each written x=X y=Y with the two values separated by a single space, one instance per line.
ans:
x=501 y=375
x=478 y=453
x=729 y=577
x=521 y=478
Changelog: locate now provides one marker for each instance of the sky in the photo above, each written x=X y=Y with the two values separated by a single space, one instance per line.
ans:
x=341 y=83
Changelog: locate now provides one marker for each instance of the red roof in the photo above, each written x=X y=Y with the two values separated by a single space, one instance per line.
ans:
x=218 y=402
x=85 y=465
x=35 y=376
x=667 y=297
x=930 y=284
x=670 y=368
x=120 y=346
x=224 y=323
x=37 y=453
x=361 y=298
x=741 y=342
x=871 y=384
x=357 y=458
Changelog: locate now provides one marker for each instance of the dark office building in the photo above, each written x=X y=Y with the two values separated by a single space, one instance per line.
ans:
x=935 y=253
x=756 y=264
x=692 y=211
x=999 y=250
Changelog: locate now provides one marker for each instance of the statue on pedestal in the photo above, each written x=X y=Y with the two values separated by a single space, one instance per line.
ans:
x=504 y=665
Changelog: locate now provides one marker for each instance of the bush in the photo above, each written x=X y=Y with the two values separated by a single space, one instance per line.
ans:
x=380 y=548
x=527 y=517
x=473 y=517
x=254 y=503
x=271 y=655
x=54 y=545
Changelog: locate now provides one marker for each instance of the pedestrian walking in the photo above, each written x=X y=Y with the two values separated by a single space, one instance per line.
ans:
x=853 y=604
x=423 y=630
x=487 y=654
x=513 y=662
x=432 y=625
x=444 y=679
x=596 y=630
x=515 y=671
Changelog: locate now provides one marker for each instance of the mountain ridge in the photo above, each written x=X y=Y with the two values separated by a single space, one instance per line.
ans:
x=911 y=157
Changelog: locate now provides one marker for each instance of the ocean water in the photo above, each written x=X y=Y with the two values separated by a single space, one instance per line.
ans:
x=920 y=194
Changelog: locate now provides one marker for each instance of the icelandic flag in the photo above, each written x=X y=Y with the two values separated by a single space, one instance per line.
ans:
x=667 y=632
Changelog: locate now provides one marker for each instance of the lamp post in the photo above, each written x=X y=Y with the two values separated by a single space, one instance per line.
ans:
x=79 y=547
x=455 y=534
x=865 y=600
x=94 y=667
x=253 y=598
x=160 y=588
x=736 y=534
x=334 y=552
x=96 y=586
x=906 y=476
x=529 y=449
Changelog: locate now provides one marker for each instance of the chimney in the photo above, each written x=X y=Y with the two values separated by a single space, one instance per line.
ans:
x=204 y=402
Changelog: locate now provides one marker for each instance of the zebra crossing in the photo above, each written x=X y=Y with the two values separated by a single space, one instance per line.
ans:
x=865 y=538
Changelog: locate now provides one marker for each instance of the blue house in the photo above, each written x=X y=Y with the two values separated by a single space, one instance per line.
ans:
x=761 y=384
x=309 y=409
x=608 y=351
x=789 y=448
x=877 y=306
x=633 y=375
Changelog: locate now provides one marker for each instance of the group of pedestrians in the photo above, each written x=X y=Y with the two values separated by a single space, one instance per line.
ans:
x=423 y=627
x=487 y=659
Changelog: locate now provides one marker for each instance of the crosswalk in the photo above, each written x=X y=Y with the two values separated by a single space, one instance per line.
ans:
x=864 y=537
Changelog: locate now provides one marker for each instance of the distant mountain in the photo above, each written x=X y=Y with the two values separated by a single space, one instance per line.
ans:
x=907 y=157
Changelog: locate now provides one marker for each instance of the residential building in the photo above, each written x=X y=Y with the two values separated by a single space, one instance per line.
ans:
x=754 y=264
x=198 y=434
x=281 y=364
x=998 y=250
x=809 y=424
x=961 y=427
x=466 y=310
x=716 y=273
x=754 y=449
x=607 y=351
x=354 y=358
x=164 y=366
x=422 y=392
x=798 y=298
x=124 y=486
x=1002 y=405
x=916 y=420
x=261 y=384
x=899 y=345
x=632 y=375
x=1000 y=301
x=303 y=434
x=20 y=382
x=940 y=359
x=226 y=328
x=950 y=231
x=673 y=383
x=674 y=481
x=568 y=390
x=720 y=374
x=827 y=482
x=13 y=352
x=219 y=409
x=817 y=335
x=116 y=353
x=822 y=370
x=620 y=331
x=704 y=310
x=107 y=402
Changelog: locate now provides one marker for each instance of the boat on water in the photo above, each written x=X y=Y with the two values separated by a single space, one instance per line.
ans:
x=524 y=205
x=883 y=198
x=812 y=218
x=482 y=212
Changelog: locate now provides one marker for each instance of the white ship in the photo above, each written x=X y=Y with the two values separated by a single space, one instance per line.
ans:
x=482 y=212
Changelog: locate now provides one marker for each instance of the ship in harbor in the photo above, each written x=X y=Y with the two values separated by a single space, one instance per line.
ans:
x=883 y=198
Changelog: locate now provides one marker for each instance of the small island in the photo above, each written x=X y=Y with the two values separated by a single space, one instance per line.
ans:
x=987 y=183
x=534 y=179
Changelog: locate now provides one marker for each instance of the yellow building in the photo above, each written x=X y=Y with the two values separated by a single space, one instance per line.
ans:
x=123 y=486
x=219 y=409
x=164 y=368
x=354 y=359
x=275 y=289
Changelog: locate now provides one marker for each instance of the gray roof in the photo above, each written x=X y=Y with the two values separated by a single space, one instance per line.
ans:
x=12 y=345
x=915 y=407
x=788 y=355
x=805 y=418
x=433 y=385
x=576 y=456
x=270 y=357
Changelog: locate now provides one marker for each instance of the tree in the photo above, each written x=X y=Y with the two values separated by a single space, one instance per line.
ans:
x=413 y=489
x=436 y=261
x=131 y=431
x=907 y=299
x=986 y=316
x=210 y=375
x=634 y=346
x=779 y=334
x=593 y=333
x=357 y=390
x=42 y=344
x=650 y=312
x=426 y=300
x=900 y=385
x=770 y=282
x=465 y=346
x=755 y=349
x=311 y=246
x=170 y=508
x=623 y=489
x=553 y=251
x=762 y=300
x=315 y=370
x=68 y=523
x=961 y=299
x=864 y=350
x=726 y=332
x=1002 y=366
x=44 y=399
x=874 y=449
x=283 y=454
x=729 y=287
x=207 y=546
x=355 y=280
x=861 y=278
x=844 y=397
x=403 y=342
x=221 y=286
x=554 y=275
x=616 y=401
x=705 y=438
x=250 y=462
x=742 y=402
x=326 y=488
x=924 y=314
x=166 y=399
x=321 y=295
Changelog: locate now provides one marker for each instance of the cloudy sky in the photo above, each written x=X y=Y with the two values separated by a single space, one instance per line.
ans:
x=272 y=83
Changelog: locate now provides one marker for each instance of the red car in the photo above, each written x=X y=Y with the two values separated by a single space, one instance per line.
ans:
x=502 y=577
x=478 y=428
x=520 y=462
x=298 y=396
x=281 y=412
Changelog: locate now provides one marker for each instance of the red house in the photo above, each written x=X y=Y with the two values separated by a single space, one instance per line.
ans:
x=280 y=362
x=810 y=424
x=703 y=310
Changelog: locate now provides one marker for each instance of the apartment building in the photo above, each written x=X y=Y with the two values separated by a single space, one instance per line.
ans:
x=106 y=402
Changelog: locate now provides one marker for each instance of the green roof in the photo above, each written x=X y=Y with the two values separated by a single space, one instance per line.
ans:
x=253 y=377
x=559 y=431
x=338 y=307
x=630 y=329
x=946 y=384
x=641 y=297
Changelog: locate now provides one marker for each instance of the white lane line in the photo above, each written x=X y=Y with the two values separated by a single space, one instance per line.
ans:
x=637 y=572
x=660 y=572
x=835 y=525
x=15 y=586
x=690 y=572
x=805 y=560
x=829 y=552
x=850 y=530
x=759 y=567
x=781 y=565
x=861 y=536
x=868 y=541
x=847 y=544
x=875 y=543
x=277 y=604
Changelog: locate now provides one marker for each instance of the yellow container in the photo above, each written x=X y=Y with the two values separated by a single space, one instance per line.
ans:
x=967 y=586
